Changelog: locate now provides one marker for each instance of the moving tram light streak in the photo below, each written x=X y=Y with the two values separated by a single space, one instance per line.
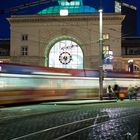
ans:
x=44 y=84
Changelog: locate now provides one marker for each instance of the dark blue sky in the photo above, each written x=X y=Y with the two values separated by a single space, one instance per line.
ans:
x=6 y=5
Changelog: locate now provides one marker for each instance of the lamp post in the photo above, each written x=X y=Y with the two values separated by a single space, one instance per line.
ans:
x=130 y=65
x=100 y=53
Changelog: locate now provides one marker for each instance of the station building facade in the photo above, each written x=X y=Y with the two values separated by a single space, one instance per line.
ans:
x=72 y=41
x=68 y=42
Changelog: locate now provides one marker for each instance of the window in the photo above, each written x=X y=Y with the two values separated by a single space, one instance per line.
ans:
x=133 y=51
x=24 y=50
x=136 y=68
x=3 y=52
x=72 y=3
x=106 y=49
x=118 y=7
x=66 y=54
x=24 y=37
x=130 y=52
x=107 y=55
x=105 y=36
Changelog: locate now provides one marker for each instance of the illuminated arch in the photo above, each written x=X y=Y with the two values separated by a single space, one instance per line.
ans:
x=65 y=52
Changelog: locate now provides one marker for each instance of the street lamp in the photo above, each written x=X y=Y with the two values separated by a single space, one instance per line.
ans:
x=130 y=65
x=100 y=53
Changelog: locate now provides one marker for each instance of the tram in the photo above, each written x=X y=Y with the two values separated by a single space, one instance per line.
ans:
x=24 y=83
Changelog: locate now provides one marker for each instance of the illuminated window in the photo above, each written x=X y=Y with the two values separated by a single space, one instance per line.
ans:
x=66 y=54
x=24 y=50
x=107 y=55
x=24 y=37
x=117 y=7
x=72 y=3
x=106 y=49
x=105 y=36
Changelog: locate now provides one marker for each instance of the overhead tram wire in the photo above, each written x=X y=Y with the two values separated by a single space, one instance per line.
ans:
x=40 y=2
x=25 y=5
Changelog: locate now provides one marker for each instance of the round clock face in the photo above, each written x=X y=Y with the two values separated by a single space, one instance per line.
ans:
x=65 y=57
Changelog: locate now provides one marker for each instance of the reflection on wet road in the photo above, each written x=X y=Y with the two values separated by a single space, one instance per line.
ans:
x=121 y=121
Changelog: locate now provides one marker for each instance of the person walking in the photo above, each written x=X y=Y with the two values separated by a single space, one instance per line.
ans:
x=135 y=92
x=109 y=91
x=116 y=90
x=130 y=92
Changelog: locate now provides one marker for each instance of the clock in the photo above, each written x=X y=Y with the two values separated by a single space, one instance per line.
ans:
x=65 y=58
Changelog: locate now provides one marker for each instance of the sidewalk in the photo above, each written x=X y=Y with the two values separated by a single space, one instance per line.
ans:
x=7 y=113
x=80 y=102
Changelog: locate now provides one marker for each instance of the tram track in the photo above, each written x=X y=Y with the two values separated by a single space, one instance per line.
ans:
x=83 y=125
x=89 y=120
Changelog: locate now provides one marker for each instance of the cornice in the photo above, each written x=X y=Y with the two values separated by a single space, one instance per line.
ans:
x=58 y=18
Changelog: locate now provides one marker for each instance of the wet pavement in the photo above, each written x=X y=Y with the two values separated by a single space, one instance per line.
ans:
x=98 y=121
x=121 y=121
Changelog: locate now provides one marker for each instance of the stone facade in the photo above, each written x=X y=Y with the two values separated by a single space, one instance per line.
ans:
x=44 y=30
x=131 y=51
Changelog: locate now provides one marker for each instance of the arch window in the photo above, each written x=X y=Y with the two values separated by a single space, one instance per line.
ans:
x=66 y=54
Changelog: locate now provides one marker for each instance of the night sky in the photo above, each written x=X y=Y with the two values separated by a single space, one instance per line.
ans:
x=6 y=5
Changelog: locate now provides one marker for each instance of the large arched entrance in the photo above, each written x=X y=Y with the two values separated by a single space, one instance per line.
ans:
x=65 y=53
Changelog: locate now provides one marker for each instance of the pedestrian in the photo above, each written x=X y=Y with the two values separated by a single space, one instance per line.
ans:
x=130 y=92
x=116 y=90
x=109 y=91
x=135 y=92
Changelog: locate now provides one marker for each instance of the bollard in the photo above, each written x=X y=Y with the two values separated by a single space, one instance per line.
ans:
x=128 y=136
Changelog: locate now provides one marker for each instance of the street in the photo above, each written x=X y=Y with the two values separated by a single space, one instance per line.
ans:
x=94 y=121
